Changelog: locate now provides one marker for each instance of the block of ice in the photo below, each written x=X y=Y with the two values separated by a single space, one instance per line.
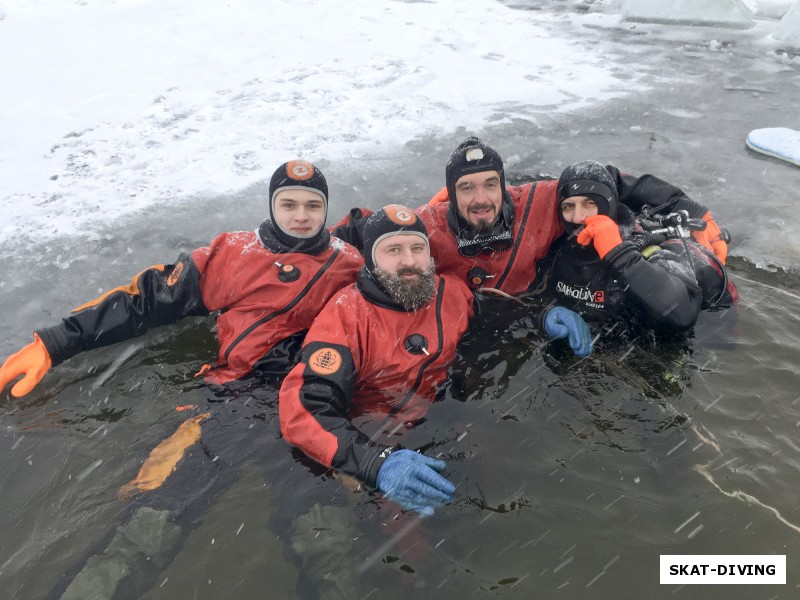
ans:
x=788 y=29
x=773 y=9
x=724 y=13
x=778 y=142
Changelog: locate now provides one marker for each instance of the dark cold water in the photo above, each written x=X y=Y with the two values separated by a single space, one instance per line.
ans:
x=574 y=476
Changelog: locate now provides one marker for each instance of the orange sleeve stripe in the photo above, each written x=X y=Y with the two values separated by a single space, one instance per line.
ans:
x=132 y=289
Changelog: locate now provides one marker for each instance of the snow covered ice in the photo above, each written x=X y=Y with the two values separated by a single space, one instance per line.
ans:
x=118 y=108
x=112 y=106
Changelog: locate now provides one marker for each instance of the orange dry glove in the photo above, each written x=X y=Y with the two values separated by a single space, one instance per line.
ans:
x=164 y=458
x=33 y=361
x=711 y=238
x=441 y=196
x=601 y=230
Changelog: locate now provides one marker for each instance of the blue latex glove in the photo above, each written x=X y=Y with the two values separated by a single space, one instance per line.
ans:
x=560 y=322
x=412 y=480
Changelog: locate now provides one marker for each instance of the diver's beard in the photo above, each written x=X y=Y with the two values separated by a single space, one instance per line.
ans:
x=411 y=295
x=482 y=227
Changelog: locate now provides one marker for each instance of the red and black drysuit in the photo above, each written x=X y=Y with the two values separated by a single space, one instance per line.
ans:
x=369 y=364
x=268 y=290
x=528 y=225
x=267 y=296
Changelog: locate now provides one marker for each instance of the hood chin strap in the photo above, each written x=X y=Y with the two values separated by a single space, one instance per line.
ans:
x=280 y=242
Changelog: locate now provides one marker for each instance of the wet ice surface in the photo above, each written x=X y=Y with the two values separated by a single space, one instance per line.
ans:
x=573 y=476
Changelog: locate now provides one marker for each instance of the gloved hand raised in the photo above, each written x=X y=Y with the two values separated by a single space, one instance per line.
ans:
x=601 y=230
x=560 y=322
x=33 y=361
x=711 y=237
x=412 y=480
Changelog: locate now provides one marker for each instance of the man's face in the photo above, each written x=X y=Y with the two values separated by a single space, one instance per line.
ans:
x=576 y=208
x=405 y=255
x=300 y=213
x=479 y=198
x=404 y=267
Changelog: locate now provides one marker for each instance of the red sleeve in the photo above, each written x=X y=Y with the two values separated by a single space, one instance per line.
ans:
x=316 y=396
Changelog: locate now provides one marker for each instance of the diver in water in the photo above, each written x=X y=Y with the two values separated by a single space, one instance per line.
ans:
x=646 y=270
x=268 y=285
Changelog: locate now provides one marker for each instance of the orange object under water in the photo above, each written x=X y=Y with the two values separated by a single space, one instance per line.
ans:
x=163 y=458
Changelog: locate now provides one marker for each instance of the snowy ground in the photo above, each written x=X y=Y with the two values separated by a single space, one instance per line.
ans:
x=115 y=106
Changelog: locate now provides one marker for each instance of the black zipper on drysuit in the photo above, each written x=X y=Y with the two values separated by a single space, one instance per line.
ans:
x=397 y=408
x=518 y=241
x=272 y=315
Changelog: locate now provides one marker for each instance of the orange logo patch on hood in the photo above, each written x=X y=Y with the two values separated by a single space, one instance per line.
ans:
x=400 y=215
x=300 y=170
